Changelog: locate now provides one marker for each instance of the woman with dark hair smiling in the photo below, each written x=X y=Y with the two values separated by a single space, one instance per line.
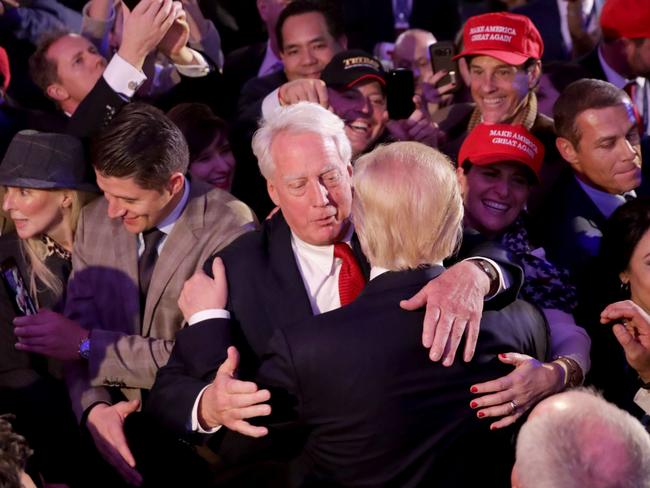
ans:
x=498 y=165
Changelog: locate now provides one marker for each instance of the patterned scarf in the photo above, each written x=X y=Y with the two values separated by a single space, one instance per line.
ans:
x=545 y=284
x=525 y=116
x=53 y=248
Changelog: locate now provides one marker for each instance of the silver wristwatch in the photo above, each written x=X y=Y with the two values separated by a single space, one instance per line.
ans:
x=84 y=348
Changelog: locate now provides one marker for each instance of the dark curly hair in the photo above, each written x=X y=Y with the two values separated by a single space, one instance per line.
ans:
x=14 y=453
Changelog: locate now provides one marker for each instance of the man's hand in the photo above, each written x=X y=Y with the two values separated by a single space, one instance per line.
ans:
x=174 y=44
x=512 y=395
x=106 y=425
x=433 y=94
x=49 y=333
x=454 y=302
x=306 y=90
x=633 y=333
x=228 y=401
x=418 y=127
x=145 y=27
x=201 y=292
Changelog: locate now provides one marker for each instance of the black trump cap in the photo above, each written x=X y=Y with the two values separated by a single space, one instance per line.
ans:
x=351 y=67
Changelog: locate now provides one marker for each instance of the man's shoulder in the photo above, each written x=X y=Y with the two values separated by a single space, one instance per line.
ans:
x=221 y=204
x=273 y=232
x=265 y=84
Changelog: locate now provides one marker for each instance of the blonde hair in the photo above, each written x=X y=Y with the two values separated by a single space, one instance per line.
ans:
x=35 y=251
x=407 y=207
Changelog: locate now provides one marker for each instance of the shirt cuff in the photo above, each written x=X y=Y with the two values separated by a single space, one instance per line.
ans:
x=271 y=103
x=210 y=313
x=122 y=77
x=642 y=399
x=196 y=70
x=502 y=281
x=194 y=421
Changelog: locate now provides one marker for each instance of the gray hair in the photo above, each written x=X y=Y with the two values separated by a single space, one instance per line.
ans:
x=590 y=443
x=299 y=118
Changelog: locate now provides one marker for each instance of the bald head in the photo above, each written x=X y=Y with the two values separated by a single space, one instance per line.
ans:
x=577 y=439
x=412 y=52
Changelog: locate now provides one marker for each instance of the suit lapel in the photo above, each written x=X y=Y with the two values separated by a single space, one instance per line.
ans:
x=125 y=255
x=182 y=238
x=288 y=296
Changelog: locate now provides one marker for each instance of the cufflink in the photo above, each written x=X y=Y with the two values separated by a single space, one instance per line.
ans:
x=134 y=85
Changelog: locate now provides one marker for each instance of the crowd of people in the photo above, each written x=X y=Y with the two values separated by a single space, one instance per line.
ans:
x=237 y=249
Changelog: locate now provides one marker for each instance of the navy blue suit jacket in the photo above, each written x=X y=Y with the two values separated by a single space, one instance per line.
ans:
x=376 y=410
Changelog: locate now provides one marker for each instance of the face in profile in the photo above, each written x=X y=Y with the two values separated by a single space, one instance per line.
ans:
x=637 y=273
x=139 y=208
x=312 y=186
x=494 y=195
x=363 y=110
x=498 y=88
x=607 y=155
x=36 y=212
x=216 y=164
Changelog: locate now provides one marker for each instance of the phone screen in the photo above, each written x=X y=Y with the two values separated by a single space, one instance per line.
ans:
x=15 y=285
x=400 y=88
x=442 y=54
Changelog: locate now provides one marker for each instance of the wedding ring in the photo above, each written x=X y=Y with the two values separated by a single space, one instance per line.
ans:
x=514 y=406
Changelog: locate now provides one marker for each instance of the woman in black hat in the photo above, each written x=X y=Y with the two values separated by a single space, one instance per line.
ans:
x=44 y=189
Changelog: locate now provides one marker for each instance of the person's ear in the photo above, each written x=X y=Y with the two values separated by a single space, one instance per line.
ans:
x=273 y=192
x=534 y=74
x=462 y=180
x=175 y=183
x=568 y=152
x=66 y=201
x=57 y=92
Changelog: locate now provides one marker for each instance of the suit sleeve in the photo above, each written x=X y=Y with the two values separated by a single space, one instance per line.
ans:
x=80 y=304
x=191 y=367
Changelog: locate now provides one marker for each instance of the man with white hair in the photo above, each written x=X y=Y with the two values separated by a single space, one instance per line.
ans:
x=373 y=409
x=304 y=261
x=576 y=439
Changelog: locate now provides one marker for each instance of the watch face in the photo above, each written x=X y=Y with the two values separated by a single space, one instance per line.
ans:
x=84 y=348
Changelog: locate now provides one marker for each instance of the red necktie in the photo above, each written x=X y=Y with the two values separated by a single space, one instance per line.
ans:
x=351 y=279
x=630 y=89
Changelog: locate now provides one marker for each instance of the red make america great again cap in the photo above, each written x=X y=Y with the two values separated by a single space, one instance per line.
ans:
x=500 y=143
x=511 y=38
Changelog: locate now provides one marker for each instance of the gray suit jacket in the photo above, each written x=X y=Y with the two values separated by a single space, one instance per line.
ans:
x=103 y=292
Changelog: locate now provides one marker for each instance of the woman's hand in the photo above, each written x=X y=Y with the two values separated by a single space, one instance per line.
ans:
x=632 y=330
x=513 y=395
x=50 y=334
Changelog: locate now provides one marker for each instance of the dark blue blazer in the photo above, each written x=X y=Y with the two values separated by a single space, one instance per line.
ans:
x=376 y=410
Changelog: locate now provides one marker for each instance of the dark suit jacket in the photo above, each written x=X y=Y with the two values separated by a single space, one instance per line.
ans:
x=591 y=63
x=368 y=22
x=248 y=184
x=266 y=292
x=546 y=17
x=239 y=67
x=30 y=381
x=378 y=412
x=572 y=226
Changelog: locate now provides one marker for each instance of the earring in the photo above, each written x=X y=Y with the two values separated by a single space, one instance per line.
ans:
x=625 y=286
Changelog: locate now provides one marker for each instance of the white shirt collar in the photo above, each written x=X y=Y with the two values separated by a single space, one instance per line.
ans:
x=607 y=203
x=377 y=271
x=614 y=77
x=322 y=257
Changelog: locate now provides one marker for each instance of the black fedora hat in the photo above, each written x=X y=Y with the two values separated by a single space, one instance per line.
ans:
x=45 y=161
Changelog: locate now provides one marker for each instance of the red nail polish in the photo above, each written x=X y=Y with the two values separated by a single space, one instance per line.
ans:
x=492 y=427
x=473 y=389
x=480 y=415
x=502 y=356
x=473 y=404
